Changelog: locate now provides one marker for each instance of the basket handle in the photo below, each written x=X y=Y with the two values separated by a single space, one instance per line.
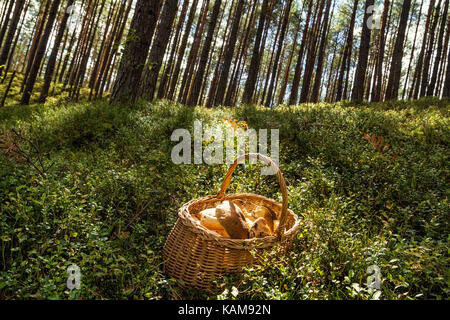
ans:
x=280 y=177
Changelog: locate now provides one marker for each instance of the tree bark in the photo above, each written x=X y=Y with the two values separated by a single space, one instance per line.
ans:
x=187 y=31
x=133 y=60
x=151 y=72
x=256 y=56
x=229 y=53
x=415 y=89
x=40 y=52
x=446 y=90
x=10 y=35
x=315 y=97
x=439 y=51
x=412 y=52
x=311 y=56
x=429 y=53
x=278 y=54
x=193 y=98
x=360 y=73
x=52 y=60
x=193 y=54
x=378 y=78
x=6 y=21
x=170 y=62
x=396 y=64
x=298 y=67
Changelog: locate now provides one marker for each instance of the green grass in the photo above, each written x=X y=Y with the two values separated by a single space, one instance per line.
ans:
x=111 y=195
x=57 y=93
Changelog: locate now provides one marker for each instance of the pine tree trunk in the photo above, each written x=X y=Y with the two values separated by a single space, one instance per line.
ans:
x=315 y=97
x=136 y=50
x=311 y=56
x=170 y=63
x=187 y=31
x=360 y=73
x=193 y=54
x=11 y=31
x=6 y=21
x=347 y=53
x=159 y=44
x=444 y=61
x=439 y=51
x=13 y=48
x=412 y=53
x=298 y=67
x=109 y=49
x=415 y=89
x=256 y=56
x=40 y=52
x=52 y=60
x=429 y=53
x=105 y=76
x=193 y=98
x=228 y=56
x=102 y=51
x=278 y=54
x=396 y=64
x=446 y=90
x=376 y=90
x=232 y=86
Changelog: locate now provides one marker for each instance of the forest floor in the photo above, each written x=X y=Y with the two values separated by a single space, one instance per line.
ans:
x=104 y=194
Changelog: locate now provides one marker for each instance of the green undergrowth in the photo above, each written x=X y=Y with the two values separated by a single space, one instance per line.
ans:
x=108 y=195
x=58 y=93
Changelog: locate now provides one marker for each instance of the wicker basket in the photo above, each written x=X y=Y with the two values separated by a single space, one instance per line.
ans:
x=196 y=255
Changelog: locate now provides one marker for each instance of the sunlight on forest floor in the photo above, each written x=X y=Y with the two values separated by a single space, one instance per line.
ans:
x=110 y=195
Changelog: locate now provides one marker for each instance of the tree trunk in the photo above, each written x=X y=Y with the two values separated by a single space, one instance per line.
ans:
x=439 y=51
x=446 y=90
x=396 y=63
x=311 y=57
x=298 y=67
x=315 y=97
x=256 y=56
x=114 y=37
x=243 y=46
x=360 y=73
x=412 y=52
x=106 y=76
x=278 y=54
x=40 y=52
x=13 y=48
x=193 y=98
x=229 y=53
x=6 y=21
x=347 y=53
x=151 y=72
x=102 y=51
x=170 y=62
x=376 y=90
x=429 y=53
x=187 y=31
x=11 y=31
x=444 y=61
x=193 y=54
x=133 y=60
x=52 y=60
x=415 y=89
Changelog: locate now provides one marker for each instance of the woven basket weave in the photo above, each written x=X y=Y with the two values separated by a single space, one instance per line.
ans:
x=196 y=255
